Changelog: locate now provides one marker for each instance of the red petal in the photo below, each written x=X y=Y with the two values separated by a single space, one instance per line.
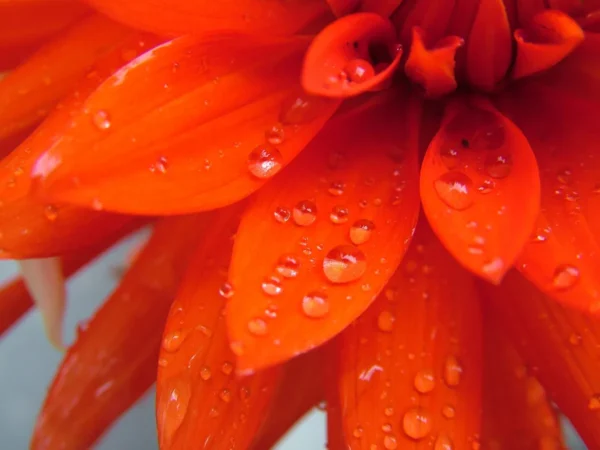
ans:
x=224 y=114
x=432 y=16
x=561 y=346
x=410 y=367
x=199 y=398
x=382 y=7
x=299 y=283
x=29 y=92
x=353 y=55
x=489 y=46
x=527 y=9
x=472 y=182
x=343 y=7
x=176 y=17
x=516 y=411
x=548 y=39
x=113 y=361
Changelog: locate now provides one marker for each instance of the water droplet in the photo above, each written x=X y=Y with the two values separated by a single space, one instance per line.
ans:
x=336 y=188
x=275 y=135
x=51 y=212
x=449 y=155
x=225 y=395
x=237 y=348
x=339 y=215
x=575 y=339
x=357 y=432
x=443 y=442
x=244 y=393
x=315 y=305
x=388 y=412
x=305 y=213
x=565 y=277
x=385 y=321
x=344 y=264
x=282 y=215
x=160 y=165
x=565 y=177
x=390 y=443
x=101 y=120
x=361 y=231
x=452 y=371
x=205 y=373
x=227 y=368
x=162 y=362
x=455 y=190
x=265 y=161
x=299 y=109
x=594 y=403
x=172 y=406
x=386 y=427
x=272 y=286
x=486 y=187
x=172 y=341
x=416 y=423
x=498 y=166
x=213 y=413
x=359 y=70
x=448 y=412
x=424 y=381
x=257 y=326
x=226 y=290
x=287 y=266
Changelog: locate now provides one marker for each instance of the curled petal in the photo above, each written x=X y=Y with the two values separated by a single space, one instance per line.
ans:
x=113 y=361
x=320 y=241
x=550 y=38
x=410 y=366
x=45 y=282
x=353 y=55
x=224 y=115
x=473 y=178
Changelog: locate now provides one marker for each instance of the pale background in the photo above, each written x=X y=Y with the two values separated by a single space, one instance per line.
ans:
x=28 y=363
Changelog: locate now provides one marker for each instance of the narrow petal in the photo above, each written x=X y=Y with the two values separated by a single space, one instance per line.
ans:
x=113 y=361
x=199 y=397
x=489 y=47
x=29 y=92
x=433 y=17
x=15 y=299
x=472 y=182
x=561 y=346
x=224 y=115
x=517 y=414
x=321 y=240
x=353 y=55
x=410 y=367
x=45 y=282
x=548 y=39
x=176 y=17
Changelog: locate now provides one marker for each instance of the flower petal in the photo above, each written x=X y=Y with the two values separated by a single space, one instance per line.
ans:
x=321 y=240
x=355 y=54
x=561 y=346
x=113 y=361
x=199 y=398
x=384 y=8
x=410 y=367
x=472 y=182
x=224 y=115
x=432 y=17
x=517 y=414
x=176 y=17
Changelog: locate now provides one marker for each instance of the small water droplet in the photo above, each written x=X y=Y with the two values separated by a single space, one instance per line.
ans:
x=448 y=411
x=287 y=266
x=385 y=321
x=486 y=187
x=344 y=264
x=315 y=305
x=336 y=188
x=416 y=423
x=51 y=212
x=359 y=70
x=227 y=368
x=305 y=213
x=339 y=215
x=225 y=395
x=282 y=215
x=205 y=373
x=386 y=427
x=257 y=326
x=594 y=403
x=226 y=290
x=358 y=432
x=162 y=362
x=575 y=339
x=498 y=166
x=388 y=412
x=361 y=231
x=455 y=190
x=300 y=108
x=101 y=120
x=172 y=341
x=160 y=165
x=443 y=442
x=272 y=286
x=565 y=177
x=275 y=135
x=424 y=381
x=452 y=371
x=265 y=161
x=390 y=443
x=449 y=155
x=565 y=277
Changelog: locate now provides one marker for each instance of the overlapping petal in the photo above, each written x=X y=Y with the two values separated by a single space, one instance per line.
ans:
x=321 y=240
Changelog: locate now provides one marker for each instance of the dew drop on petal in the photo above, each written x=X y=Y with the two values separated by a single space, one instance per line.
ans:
x=344 y=263
x=172 y=341
x=565 y=277
x=265 y=161
x=300 y=108
x=390 y=443
x=449 y=156
x=443 y=442
x=305 y=213
x=101 y=120
x=486 y=187
x=339 y=215
x=172 y=406
x=359 y=70
x=51 y=212
x=257 y=326
x=315 y=305
x=448 y=412
x=424 y=381
x=275 y=135
x=205 y=373
x=417 y=423
x=385 y=321
x=226 y=290
x=361 y=231
x=455 y=189
x=498 y=166
x=272 y=286
x=282 y=215
x=575 y=339
x=225 y=395
x=357 y=432
x=336 y=188
x=227 y=368
x=594 y=403
x=287 y=266
x=452 y=371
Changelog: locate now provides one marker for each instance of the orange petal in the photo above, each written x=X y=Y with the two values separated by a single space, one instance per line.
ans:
x=517 y=414
x=489 y=46
x=224 y=115
x=176 y=17
x=433 y=67
x=472 y=182
x=15 y=300
x=29 y=92
x=355 y=54
x=410 y=367
x=199 y=398
x=548 y=39
x=113 y=361
x=561 y=346
x=320 y=241
x=562 y=257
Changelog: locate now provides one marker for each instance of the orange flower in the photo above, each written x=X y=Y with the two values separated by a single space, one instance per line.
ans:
x=482 y=111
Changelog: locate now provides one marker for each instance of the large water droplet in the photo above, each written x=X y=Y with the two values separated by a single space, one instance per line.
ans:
x=565 y=277
x=361 y=231
x=359 y=70
x=305 y=213
x=272 y=286
x=172 y=406
x=417 y=423
x=172 y=341
x=101 y=120
x=385 y=321
x=424 y=381
x=498 y=166
x=287 y=266
x=452 y=371
x=264 y=161
x=455 y=189
x=315 y=305
x=282 y=215
x=339 y=215
x=257 y=326
x=344 y=263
